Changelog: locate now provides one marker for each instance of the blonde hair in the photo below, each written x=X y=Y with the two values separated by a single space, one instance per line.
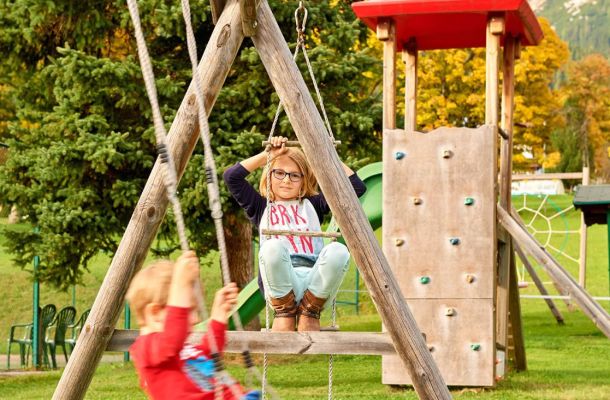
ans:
x=309 y=183
x=150 y=285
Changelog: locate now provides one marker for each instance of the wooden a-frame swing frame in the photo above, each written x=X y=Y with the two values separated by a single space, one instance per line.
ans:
x=213 y=69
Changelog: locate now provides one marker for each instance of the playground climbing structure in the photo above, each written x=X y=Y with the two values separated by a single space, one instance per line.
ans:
x=447 y=229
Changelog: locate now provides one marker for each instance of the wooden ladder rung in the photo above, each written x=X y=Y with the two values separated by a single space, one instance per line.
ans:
x=295 y=143
x=278 y=232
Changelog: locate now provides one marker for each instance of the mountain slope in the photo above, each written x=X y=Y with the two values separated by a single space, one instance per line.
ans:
x=584 y=24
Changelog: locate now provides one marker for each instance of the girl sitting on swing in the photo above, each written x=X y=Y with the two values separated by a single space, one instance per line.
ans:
x=297 y=274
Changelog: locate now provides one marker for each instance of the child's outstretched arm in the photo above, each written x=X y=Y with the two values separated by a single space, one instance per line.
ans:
x=168 y=343
x=186 y=273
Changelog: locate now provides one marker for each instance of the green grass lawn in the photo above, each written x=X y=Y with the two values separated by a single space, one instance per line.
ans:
x=564 y=362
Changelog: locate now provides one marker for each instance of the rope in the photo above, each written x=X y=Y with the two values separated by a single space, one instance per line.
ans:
x=265 y=358
x=160 y=133
x=331 y=356
x=268 y=205
x=213 y=190
x=170 y=178
x=300 y=45
x=222 y=377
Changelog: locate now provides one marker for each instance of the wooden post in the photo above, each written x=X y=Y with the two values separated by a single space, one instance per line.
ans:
x=217 y=6
x=514 y=308
x=495 y=28
x=248 y=17
x=530 y=269
x=356 y=230
x=409 y=56
x=386 y=32
x=556 y=272
x=508 y=96
x=213 y=69
x=505 y=250
x=582 y=259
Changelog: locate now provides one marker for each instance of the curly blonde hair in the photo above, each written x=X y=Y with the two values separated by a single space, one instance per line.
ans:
x=310 y=184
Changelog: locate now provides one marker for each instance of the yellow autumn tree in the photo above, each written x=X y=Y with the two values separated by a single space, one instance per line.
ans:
x=537 y=105
x=586 y=100
x=451 y=92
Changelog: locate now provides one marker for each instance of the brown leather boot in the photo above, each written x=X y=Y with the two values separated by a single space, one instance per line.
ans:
x=309 y=312
x=285 y=308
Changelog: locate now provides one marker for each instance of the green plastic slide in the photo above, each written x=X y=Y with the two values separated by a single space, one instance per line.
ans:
x=250 y=301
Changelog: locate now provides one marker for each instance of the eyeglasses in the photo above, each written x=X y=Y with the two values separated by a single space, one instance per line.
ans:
x=280 y=174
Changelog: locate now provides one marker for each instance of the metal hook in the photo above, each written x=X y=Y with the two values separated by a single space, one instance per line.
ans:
x=300 y=27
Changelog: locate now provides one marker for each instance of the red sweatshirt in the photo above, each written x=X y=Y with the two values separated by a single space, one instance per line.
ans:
x=169 y=368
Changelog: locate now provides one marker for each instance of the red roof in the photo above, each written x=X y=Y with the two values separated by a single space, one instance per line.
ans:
x=446 y=24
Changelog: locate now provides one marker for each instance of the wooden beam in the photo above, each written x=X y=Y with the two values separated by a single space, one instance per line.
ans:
x=514 y=314
x=582 y=259
x=409 y=56
x=505 y=251
x=541 y=177
x=502 y=292
x=538 y=282
x=356 y=229
x=383 y=29
x=508 y=107
x=150 y=210
x=386 y=32
x=556 y=272
x=248 y=17
x=491 y=69
x=217 y=7
x=518 y=51
x=369 y=343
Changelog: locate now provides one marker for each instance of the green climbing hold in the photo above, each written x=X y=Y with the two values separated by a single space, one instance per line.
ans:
x=468 y=201
x=424 y=280
x=399 y=155
x=475 y=346
x=454 y=241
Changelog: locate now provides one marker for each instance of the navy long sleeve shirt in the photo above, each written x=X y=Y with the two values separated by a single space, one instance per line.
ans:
x=254 y=204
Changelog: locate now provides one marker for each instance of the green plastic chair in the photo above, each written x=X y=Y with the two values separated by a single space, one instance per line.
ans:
x=76 y=328
x=21 y=334
x=56 y=334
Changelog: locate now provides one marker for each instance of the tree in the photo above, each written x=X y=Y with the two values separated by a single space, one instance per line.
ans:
x=81 y=143
x=586 y=108
x=80 y=131
x=452 y=92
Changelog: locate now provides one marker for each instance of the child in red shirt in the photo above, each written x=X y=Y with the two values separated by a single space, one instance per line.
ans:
x=163 y=299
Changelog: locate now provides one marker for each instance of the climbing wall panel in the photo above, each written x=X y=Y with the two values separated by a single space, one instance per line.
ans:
x=461 y=343
x=439 y=203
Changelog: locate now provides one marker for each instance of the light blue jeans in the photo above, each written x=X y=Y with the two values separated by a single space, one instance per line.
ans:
x=323 y=279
